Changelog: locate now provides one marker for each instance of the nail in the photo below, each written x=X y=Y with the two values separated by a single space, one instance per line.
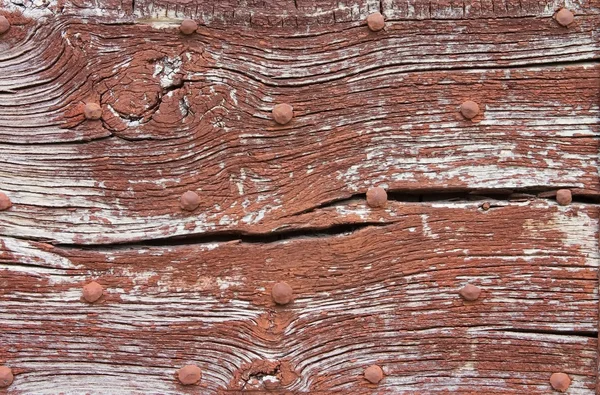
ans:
x=375 y=22
x=564 y=17
x=469 y=109
x=188 y=27
x=564 y=197
x=376 y=197
x=189 y=374
x=4 y=24
x=189 y=201
x=92 y=291
x=282 y=293
x=5 y=202
x=283 y=113
x=6 y=376
x=485 y=206
x=373 y=374
x=560 y=381
x=470 y=292
x=92 y=111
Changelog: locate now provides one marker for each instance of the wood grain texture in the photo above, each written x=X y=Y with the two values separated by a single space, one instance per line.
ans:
x=384 y=294
x=100 y=200
x=194 y=113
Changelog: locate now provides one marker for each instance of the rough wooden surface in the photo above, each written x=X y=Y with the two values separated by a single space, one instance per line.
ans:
x=383 y=294
x=100 y=200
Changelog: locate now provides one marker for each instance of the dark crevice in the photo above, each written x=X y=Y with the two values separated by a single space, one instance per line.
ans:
x=458 y=195
x=591 y=334
x=235 y=236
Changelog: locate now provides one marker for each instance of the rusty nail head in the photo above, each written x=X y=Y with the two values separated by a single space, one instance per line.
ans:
x=283 y=113
x=470 y=292
x=6 y=376
x=4 y=24
x=469 y=109
x=560 y=381
x=189 y=201
x=92 y=111
x=92 y=291
x=373 y=374
x=189 y=374
x=564 y=17
x=376 y=197
x=375 y=22
x=564 y=197
x=188 y=27
x=282 y=293
x=5 y=202
x=485 y=206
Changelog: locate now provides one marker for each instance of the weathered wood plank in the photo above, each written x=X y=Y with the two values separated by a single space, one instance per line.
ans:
x=384 y=294
x=184 y=114
x=309 y=13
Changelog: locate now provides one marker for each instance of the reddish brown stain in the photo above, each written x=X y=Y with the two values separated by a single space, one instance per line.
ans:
x=564 y=197
x=283 y=113
x=6 y=376
x=564 y=17
x=375 y=22
x=188 y=26
x=469 y=109
x=189 y=375
x=282 y=293
x=4 y=24
x=470 y=292
x=376 y=197
x=92 y=111
x=189 y=201
x=92 y=291
x=373 y=374
x=560 y=381
x=5 y=202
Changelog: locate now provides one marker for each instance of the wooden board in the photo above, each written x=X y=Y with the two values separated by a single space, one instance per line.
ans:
x=99 y=200
x=383 y=294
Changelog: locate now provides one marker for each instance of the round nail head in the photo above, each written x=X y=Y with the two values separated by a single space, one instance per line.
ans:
x=92 y=291
x=375 y=22
x=188 y=27
x=470 y=292
x=374 y=374
x=564 y=197
x=4 y=24
x=190 y=201
x=92 y=111
x=564 y=17
x=560 y=381
x=5 y=202
x=485 y=206
x=189 y=374
x=469 y=109
x=282 y=293
x=283 y=113
x=6 y=376
x=376 y=197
